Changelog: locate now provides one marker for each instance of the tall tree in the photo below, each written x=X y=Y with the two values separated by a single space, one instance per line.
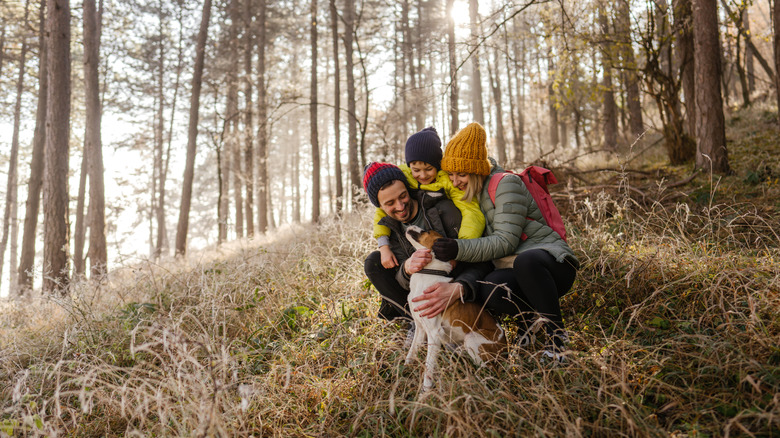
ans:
x=552 y=101
x=192 y=132
x=55 y=190
x=315 y=145
x=355 y=180
x=476 y=76
x=334 y=29
x=630 y=79
x=453 y=64
x=749 y=65
x=80 y=228
x=93 y=145
x=710 y=122
x=27 y=257
x=776 y=20
x=683 y=21
x=608 y=95
x=11 y=187
x=231 y=120
x=262 y=133
x=249 y=135
x=495 y=88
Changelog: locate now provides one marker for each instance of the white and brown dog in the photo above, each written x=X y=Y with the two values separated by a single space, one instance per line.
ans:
x=466 y=324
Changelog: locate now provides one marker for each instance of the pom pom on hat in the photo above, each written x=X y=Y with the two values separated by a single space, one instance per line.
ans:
x=376 y=175
x=466 y=152
x=424 y=146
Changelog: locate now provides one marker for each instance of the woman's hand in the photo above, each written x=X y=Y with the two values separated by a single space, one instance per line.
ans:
x=445 y=248
x=418 y=260
x=437 y=298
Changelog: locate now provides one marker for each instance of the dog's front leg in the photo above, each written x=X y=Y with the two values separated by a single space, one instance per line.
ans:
x=434 y=345
x=419 y=339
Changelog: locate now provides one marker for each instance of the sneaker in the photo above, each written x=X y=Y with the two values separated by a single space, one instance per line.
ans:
x=554 y=356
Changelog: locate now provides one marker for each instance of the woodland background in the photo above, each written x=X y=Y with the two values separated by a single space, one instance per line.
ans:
x=146 y=126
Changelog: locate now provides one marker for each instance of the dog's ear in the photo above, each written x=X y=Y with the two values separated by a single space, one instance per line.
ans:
x=428 y=238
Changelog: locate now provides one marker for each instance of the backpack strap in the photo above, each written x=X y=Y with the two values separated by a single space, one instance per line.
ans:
x=493 y=185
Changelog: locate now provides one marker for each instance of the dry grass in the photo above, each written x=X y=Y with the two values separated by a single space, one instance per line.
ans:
x=674 y=324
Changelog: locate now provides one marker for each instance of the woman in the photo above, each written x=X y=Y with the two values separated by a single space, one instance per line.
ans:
x=536 y=266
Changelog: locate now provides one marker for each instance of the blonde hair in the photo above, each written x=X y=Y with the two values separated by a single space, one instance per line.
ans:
x=474 y=187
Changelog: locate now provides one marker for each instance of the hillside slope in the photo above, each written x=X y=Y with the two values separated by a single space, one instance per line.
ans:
x=674 y=323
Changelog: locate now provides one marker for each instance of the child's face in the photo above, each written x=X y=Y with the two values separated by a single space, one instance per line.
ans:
x=460 y=180
x=424 y=173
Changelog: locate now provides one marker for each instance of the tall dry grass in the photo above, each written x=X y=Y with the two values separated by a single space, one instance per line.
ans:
x=674 y=327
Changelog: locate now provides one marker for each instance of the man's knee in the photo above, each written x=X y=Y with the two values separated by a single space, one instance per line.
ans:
x=373 y=264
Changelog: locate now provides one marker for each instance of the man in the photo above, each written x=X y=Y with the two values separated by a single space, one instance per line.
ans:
x=386 y=187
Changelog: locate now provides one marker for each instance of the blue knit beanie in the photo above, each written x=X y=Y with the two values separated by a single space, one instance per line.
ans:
x=424 y=146
x=376 y=175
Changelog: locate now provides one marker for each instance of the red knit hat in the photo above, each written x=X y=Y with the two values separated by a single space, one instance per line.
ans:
x=376 y=175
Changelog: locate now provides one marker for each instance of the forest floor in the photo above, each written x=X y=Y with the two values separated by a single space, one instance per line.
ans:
x=674 y=322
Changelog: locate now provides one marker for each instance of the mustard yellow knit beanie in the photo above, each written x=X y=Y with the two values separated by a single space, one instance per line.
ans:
x=466 y=152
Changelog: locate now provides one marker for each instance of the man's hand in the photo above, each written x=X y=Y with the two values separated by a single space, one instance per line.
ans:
x=388 y=258
x=418 y=260
x=445 y=249
x=437 y=298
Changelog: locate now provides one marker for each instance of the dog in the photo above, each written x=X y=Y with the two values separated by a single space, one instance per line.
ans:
x=466 y=324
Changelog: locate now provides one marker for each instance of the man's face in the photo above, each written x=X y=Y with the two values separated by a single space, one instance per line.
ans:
x=395 y=201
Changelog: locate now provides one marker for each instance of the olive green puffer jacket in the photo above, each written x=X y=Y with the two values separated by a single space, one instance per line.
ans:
x=507 y=220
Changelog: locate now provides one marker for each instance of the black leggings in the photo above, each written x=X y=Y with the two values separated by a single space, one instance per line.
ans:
x=535 y=282
x=394 y=297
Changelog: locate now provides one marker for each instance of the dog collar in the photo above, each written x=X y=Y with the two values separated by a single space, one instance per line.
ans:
x=434 y=272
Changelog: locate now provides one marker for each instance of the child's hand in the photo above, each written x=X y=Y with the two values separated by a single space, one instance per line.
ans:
x=388 y=258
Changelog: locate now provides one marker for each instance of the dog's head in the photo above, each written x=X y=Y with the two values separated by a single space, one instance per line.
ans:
x=421 y=239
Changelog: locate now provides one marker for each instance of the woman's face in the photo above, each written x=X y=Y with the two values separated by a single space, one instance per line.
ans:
x=460 y=180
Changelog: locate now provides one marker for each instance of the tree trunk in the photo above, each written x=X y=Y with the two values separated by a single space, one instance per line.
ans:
x=476 y=77
x=551 y=110
x=608 y=95
x=55 y=191
x=11 y=187
x=262 y=135
x=93 y=146
x=355 y=179
x=633 y=97
x=743 y=81
x=27 y=258
x=453 y=68
x=684 y=60
x=192 y=133
x=2 y=48
x=520 y=68
x=249 y=163
x=749 y=65
x=336 y=107
x=495 y=87
x=231 y=112
x=315 y=145
x=159 y=129
x=776 y=20
x=509 y=90
x=710 y=124
x=80 y=228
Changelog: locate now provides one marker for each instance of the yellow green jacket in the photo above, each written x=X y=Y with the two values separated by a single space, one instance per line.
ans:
x=473 y=223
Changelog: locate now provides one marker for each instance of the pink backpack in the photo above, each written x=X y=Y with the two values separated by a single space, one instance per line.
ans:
x=536 y=180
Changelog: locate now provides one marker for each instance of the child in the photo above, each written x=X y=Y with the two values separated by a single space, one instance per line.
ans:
x=423 y=172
